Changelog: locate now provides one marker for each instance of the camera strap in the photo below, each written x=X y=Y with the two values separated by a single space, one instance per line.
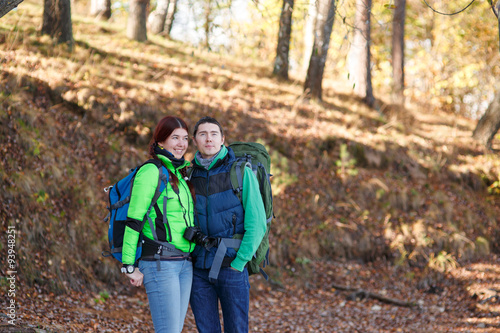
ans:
x=224 y=243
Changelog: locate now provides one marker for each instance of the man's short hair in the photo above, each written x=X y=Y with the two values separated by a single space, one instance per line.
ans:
x=205 y=120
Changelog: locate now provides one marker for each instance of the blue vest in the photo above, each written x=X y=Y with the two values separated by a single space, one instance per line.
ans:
x=218 y=211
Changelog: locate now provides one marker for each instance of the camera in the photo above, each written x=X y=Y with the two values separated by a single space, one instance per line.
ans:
x=194 y=234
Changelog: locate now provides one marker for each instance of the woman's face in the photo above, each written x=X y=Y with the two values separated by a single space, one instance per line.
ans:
x=176 y=143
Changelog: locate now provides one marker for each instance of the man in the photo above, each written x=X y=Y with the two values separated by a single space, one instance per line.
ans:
x=220 y=214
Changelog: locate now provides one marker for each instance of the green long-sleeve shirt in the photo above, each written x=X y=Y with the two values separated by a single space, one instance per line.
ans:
x=255 y=220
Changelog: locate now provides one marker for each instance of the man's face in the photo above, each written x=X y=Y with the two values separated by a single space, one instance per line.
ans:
x=208 y=140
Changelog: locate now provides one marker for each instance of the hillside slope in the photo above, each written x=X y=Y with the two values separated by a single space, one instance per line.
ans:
x=409 y=186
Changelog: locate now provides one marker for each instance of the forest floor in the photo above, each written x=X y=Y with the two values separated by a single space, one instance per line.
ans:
x=466 y=300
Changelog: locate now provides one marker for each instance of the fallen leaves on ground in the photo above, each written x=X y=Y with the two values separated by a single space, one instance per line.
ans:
x=466 y=300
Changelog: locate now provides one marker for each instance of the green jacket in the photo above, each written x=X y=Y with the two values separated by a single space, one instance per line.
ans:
x=179 y=211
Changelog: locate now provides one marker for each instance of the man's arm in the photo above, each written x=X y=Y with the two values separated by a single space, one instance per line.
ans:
x=254 y=220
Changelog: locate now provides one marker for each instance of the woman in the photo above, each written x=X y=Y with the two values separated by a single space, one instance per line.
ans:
x=167 y=277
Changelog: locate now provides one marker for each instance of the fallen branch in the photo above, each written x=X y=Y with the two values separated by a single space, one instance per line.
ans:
x=369 y=294
x=496 y=299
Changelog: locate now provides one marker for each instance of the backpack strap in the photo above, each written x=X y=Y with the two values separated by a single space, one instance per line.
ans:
x=264 y=274
x=223 y=244
x=239 y=173
x=266 y=178
x=265 y=262
x=189 y=172
x=162 y=178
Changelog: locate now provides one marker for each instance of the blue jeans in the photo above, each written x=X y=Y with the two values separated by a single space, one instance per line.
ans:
x=168 y=292
x=232 y=289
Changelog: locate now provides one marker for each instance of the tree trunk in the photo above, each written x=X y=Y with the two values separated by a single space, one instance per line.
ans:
x=489 y=124
x=323 y=27
x=359 y=54
x=208 y=23
x=285 y=33
x=169 y=21
x=57 y=20
x=309 y=35
x=136 y=25
x=100 y=9
x=158 y=17
x=498 y=17
x=398 y=48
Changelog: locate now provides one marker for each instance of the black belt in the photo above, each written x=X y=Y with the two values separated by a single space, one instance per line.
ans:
x=164 y=258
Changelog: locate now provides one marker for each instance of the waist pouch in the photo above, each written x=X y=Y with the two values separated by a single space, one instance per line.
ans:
x=152 y=250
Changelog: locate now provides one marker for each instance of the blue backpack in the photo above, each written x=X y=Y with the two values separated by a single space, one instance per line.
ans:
x=119 y=200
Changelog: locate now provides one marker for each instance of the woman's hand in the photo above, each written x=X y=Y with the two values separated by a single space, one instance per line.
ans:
x=136 y=277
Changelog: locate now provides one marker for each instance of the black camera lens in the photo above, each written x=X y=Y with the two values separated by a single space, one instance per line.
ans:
x=201 y=239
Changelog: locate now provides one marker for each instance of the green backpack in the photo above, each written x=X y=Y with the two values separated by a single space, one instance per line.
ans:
x=255 y=155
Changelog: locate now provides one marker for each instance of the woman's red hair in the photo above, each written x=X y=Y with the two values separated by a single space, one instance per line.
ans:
x=163 y=130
